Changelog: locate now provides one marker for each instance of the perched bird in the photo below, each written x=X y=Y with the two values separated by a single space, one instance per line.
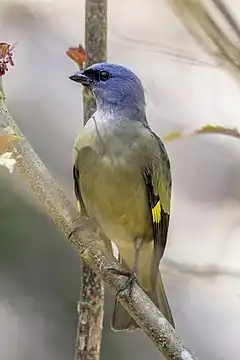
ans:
x=122 y=179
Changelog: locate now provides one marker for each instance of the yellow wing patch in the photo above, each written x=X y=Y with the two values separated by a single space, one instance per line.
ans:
x=156 y=212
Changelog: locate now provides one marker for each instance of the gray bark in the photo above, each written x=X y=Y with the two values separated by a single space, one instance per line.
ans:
x=91 y=302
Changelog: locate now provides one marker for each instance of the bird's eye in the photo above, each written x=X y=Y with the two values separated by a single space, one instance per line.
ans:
x=104 y=75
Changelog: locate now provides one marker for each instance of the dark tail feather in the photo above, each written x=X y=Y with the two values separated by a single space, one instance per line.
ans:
x=159 y=298
x=122 y=320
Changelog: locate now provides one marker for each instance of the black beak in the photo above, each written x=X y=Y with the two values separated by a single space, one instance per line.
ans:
x=80 y=78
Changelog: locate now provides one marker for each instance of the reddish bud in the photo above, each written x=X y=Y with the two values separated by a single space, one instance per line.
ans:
x=78 y=54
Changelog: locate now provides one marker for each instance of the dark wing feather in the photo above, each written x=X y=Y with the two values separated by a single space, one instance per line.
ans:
x=160 y=226
x=77 y=191
x=157 y=178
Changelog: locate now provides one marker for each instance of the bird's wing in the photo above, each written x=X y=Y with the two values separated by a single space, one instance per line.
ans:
x=157 y=177
x=80 y=204
x=76 y=177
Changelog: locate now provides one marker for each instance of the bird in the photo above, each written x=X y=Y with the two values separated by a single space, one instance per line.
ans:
x=122 y=180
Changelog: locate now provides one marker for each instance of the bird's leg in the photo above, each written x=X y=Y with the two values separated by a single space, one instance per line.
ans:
x=131 y=274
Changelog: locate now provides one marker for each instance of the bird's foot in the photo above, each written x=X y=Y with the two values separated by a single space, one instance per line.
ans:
x=132 y=279
x=74 y=231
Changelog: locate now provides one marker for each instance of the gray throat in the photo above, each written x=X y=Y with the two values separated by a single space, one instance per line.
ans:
x=130 y=113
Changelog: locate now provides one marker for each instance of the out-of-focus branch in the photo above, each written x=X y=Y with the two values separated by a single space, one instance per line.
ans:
x=201 y=24
x=206 y=129
x=87 y=244
x=91 y=302
x=225 y=11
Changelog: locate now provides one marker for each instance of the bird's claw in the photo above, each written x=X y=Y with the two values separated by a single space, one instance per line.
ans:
x=73 y=231
x=132 y=279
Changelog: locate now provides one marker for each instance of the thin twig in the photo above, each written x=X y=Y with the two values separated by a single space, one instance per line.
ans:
x=91 y=302
x=87 y=244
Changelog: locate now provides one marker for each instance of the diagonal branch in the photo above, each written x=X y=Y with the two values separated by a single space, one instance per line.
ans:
x=86 y=242
x=228 y=16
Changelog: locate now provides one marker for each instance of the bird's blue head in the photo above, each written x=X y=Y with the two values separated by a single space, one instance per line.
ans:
x=114 y=87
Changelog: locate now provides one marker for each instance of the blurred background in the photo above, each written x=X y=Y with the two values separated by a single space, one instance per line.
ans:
x=185 y=87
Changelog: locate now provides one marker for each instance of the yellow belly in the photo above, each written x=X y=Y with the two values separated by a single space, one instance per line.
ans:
x=117 y=200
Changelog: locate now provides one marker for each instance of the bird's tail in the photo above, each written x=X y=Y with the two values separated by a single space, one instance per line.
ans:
x=122 y=320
